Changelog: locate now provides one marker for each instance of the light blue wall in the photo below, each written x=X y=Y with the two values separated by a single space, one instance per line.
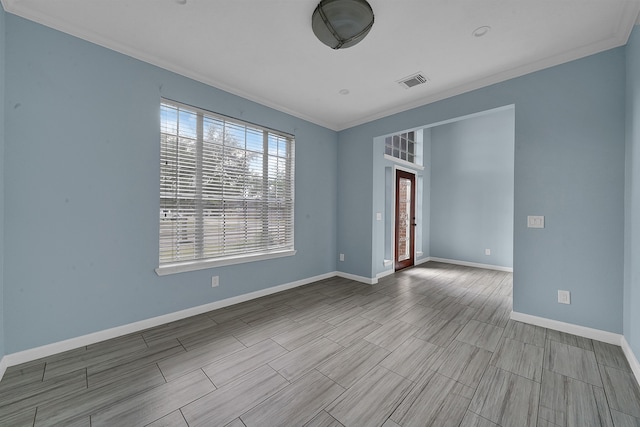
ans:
x=472 y=189
x=632 y=197
x=569 y=166
x=82 y=191
x=354 y=238
x=2 y=169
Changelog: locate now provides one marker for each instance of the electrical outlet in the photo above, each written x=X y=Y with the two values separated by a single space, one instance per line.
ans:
x=341 y=257
x=215 y=281
x=535 y=221
x=487 y=251
x=564 y=297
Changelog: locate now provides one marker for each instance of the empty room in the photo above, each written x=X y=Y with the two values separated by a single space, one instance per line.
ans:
x=320 y=213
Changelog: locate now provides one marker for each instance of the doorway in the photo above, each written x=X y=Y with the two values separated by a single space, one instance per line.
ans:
x=405 y=218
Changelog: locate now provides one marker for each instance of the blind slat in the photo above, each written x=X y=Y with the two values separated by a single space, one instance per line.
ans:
x=226 y=187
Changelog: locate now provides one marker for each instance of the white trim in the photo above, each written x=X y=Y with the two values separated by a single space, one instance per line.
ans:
x=631 y=358
x=422 y=260
x=385 y=274
x=95 y=337
x=3 y=366
x=390 y=272
x=412 y=166
x=582 y=331
x=367 y=280
x=617 y=39
x=472 y=264
x=181 y=267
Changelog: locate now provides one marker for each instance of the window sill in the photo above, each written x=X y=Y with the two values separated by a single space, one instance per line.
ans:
x=181 y=267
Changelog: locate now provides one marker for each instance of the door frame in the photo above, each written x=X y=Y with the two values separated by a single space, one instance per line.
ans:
x=414 y=195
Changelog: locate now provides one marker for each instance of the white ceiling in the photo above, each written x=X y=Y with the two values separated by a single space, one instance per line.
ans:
x=265 y=50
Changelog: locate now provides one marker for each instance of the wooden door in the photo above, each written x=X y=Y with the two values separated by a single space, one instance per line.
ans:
x=405 y=219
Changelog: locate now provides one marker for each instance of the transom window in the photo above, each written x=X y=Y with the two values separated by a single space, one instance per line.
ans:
x=401 y=146
x=226 y=188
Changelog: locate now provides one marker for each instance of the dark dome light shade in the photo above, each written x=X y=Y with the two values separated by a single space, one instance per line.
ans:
x=342 y=23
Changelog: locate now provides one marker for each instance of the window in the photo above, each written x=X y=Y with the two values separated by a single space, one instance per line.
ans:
x=226 y=190
x=401 y=146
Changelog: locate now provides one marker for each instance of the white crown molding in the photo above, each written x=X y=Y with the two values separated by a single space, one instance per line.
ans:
x=95 y=337
x=471 y=264
x=616 y=40
x=630 y=16
x=13 y=7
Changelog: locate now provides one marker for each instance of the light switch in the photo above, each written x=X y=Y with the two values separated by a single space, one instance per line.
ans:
x=379 y=216
x=564 y=297
x=535 y=221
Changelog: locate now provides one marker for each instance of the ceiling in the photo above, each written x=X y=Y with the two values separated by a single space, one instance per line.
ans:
x=265 y=50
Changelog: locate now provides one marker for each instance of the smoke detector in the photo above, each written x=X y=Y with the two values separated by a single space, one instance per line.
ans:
x=413 y=80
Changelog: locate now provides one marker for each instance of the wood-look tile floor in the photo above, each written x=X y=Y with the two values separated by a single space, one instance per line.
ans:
x=429 y=346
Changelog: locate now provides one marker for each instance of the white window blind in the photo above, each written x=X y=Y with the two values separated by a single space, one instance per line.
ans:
x=226 y=187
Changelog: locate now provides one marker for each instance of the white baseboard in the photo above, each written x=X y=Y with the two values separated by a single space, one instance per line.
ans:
x=390 y=272
x=3 y=366
x=367 y=280
x=422 y=260
x=385 y=274
x=631 y=358
x=95 y=337
x=582 y=331
x=472 y=264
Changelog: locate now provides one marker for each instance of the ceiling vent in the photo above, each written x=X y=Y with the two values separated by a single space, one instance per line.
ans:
x=414 y=80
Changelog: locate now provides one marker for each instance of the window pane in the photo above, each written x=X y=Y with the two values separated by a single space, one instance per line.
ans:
x=402 y=146
x=169 y=119
x=213 y=130
x=273 y=145
x=187 y=124
x=215 y=191
x=254 y=140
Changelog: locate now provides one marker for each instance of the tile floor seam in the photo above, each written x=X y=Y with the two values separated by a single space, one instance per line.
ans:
x=452 y=298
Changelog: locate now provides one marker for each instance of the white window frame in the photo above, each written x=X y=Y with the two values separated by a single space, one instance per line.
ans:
x=199 y=260
x=417 y=152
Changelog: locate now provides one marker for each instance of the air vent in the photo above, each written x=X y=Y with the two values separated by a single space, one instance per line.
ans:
x=414 y=80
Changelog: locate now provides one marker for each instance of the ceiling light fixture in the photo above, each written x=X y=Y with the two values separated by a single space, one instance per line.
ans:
x=342 y=23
